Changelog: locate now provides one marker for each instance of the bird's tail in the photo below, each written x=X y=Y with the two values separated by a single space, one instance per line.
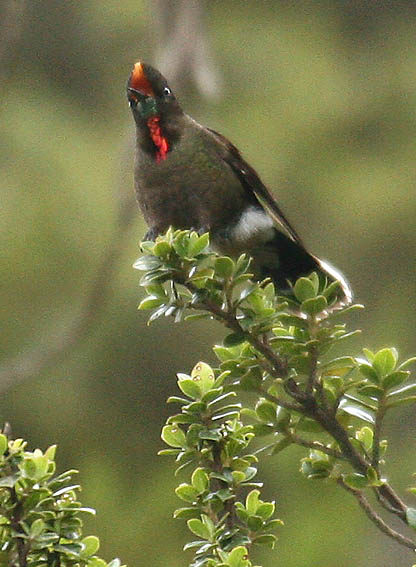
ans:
x=284 y=261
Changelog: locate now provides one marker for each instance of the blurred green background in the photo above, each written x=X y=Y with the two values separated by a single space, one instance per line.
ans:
x=321 y=99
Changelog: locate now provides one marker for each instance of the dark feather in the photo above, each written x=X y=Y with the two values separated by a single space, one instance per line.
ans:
x=253 y=184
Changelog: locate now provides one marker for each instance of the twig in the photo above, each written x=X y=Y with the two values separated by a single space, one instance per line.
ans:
x=283 y=403
x=179 y=22
x=21 y=543
x=376 y=519
x=313 y=360
x=377 y=433
x=315 y=445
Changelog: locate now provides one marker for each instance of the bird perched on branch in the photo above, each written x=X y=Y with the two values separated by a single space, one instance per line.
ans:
x=189 y=176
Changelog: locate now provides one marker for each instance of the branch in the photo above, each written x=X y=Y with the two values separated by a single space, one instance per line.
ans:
x=377 y=433
x=315 y=445
x=179 y=22
x=376 y=519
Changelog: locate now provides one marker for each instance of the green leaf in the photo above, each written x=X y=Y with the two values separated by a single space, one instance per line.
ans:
x=331 y=290
x=234 y=339
x=251 y=381
x=162 y=249
x=309 y=425
x=304 y=289
x=168 y=452
x=242 y=264
x=265 y=539
x=368 y=372
x=411 y=517
x=315 y=305
x=50 y=452
x=407 y=362
x=158 y=313
x=282 y=332
x=47 y=539
x=96 y=562
x=238 y=557
x=224 y=267
x=210 y=434
x=401 y=402
x=263 y=429
x=373 y=478
x=199 y=245
x=252 y=502
x=91 y=545
x=255 y=523
x=250 y=473
x=150 y=302
x=224 y=354
x=186 y=492
x=365 y=436
x=173 y=436
x=340 y=362
x=3 y=444
x=186 y=513
x=356 y=481
x=282 y=444
x=238 y=477
x=395 y=379
x=8 y=481
x=273 y=524
x=72 y=549
x=369 y=354
x=177 y=400
x=357 y=411
x=198 y=528
x=35 y=467
x=37 y=527
x=266 y=510
x=282 y=418
x=374 y=392
x=190 y=388
x=385 y=361
x=314 y=468
x=147 y=263
x=203 y=375
x=200 y=480
x=266 y=410
x=408 y=389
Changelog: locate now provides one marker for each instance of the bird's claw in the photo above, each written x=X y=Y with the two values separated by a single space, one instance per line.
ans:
x=151 y=234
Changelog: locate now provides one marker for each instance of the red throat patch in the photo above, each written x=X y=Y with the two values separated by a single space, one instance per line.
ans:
x=139 y=81
x=158 y=139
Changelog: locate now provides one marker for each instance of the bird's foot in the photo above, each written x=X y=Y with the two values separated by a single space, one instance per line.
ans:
x=201 y=230
x=151 y=234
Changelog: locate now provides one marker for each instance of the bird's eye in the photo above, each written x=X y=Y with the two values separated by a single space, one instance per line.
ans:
x=167 y=91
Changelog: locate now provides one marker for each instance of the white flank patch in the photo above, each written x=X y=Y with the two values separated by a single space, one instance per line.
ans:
x=253 y=222
x=334 y=273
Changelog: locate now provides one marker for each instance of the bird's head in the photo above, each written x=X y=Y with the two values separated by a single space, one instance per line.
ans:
x=148 y=93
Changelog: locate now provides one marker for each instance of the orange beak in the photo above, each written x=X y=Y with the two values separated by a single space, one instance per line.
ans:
x=139 y=82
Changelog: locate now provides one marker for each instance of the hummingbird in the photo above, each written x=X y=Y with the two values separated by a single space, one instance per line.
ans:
x=191 y=177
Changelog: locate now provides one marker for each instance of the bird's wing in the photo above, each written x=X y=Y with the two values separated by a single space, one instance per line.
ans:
x=253 y=184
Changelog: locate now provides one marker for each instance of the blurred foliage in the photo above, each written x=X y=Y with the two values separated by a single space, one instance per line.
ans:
x=40 y=516
x=320 y=97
